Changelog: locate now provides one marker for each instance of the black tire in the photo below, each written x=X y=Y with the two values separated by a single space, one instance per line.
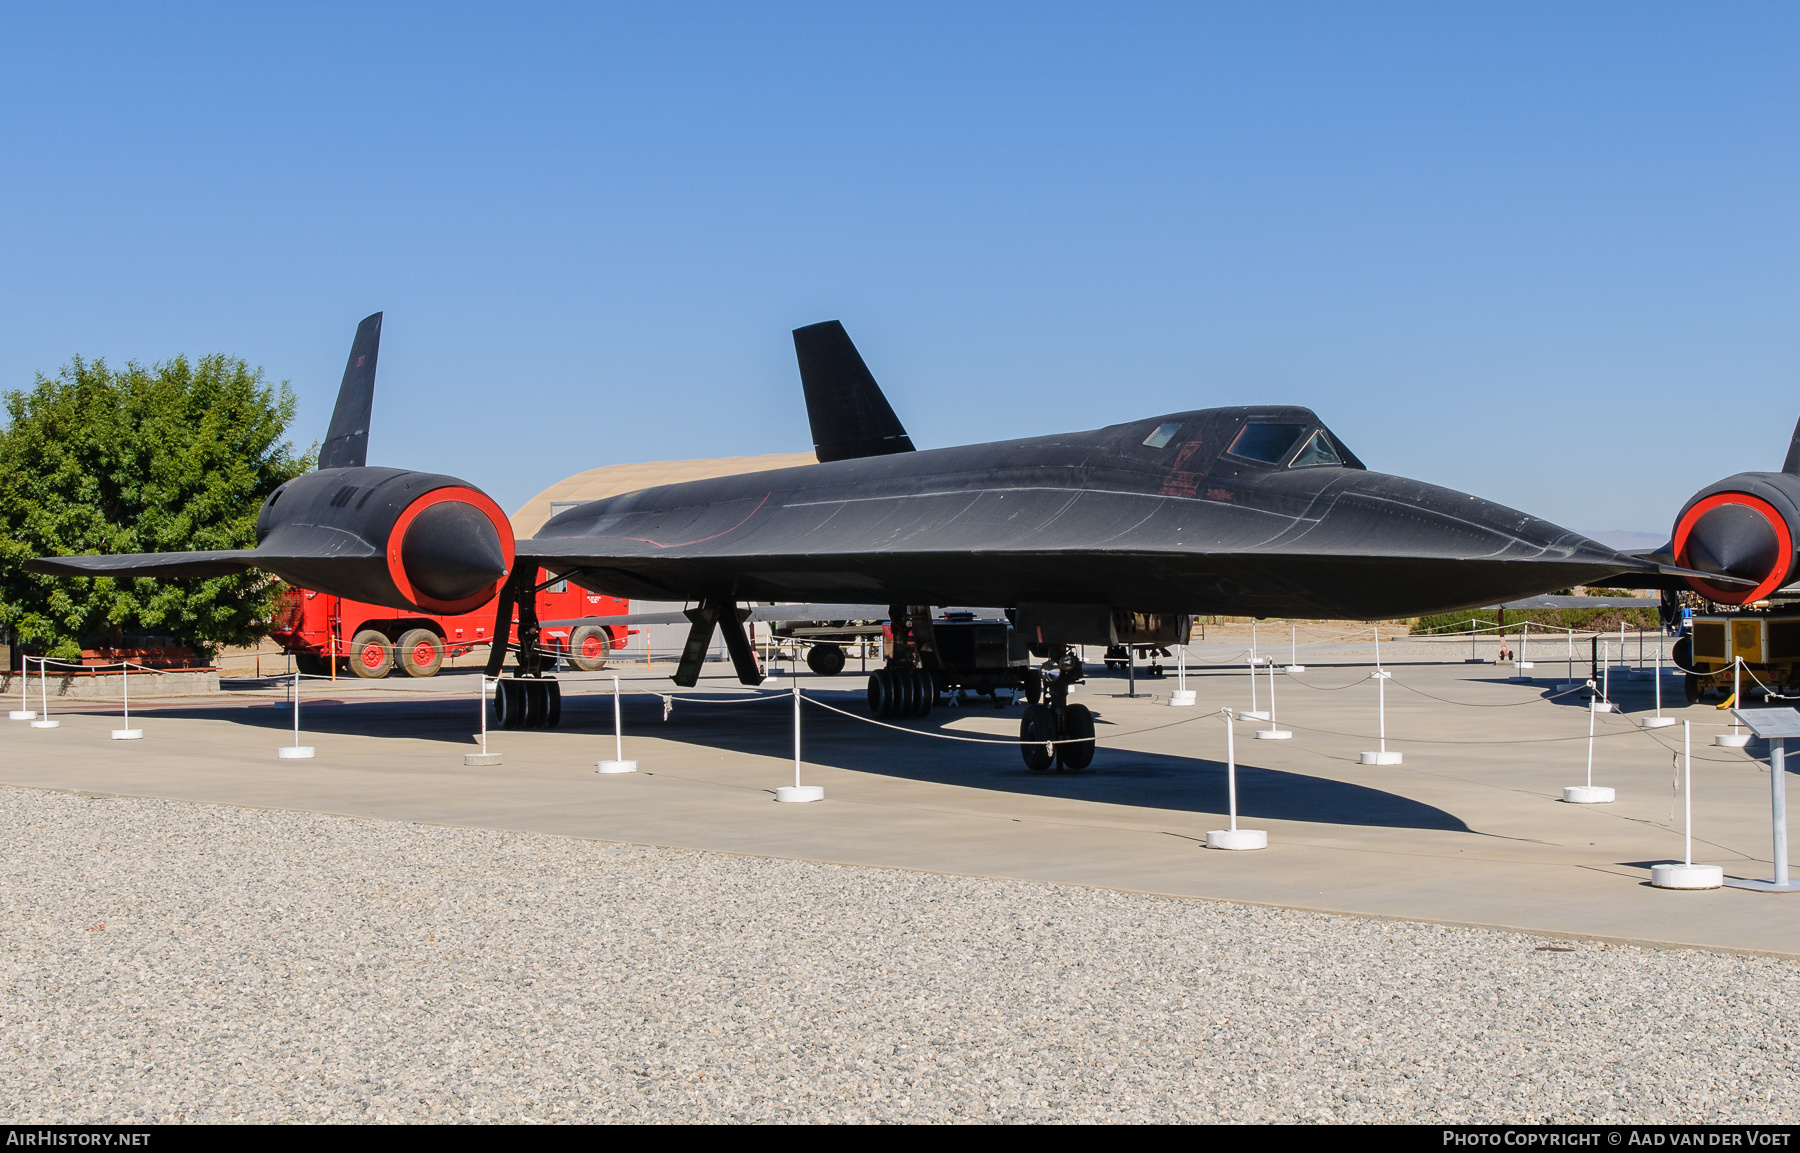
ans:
x=509 y=705
x=826 y=660
x=311 y=664
x=1036 y=727
x=552 y=704
x=1690 y=685
x=1079 y=724
x=420 y=643
x=881 y=694
x=588 y=646
x=1034 y=687
x=371 y=655
x=906 y=694
x=537 y=704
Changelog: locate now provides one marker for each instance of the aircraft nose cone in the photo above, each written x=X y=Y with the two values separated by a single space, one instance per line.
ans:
x=452 y=551
x=1734 y=540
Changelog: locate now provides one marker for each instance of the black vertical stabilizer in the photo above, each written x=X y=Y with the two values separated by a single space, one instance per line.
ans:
x=1792 y=464
x=347 y=440
x=849 y=416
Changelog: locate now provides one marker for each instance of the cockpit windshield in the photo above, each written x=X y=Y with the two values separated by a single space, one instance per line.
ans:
x=1272 y=444
x=1318 y=451
x=1268 y=443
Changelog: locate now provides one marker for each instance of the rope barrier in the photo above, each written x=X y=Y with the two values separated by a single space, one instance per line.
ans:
x=1005 y=740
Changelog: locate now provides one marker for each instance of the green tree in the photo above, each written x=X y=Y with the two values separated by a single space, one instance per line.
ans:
x=168 y=458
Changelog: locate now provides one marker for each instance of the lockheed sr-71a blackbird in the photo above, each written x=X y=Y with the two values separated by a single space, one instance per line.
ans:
x=1114 y=536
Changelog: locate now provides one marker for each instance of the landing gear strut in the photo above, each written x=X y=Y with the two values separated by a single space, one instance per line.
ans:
x=1057 y=732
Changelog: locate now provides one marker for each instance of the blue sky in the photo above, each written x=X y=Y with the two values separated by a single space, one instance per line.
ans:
x=1545 y=253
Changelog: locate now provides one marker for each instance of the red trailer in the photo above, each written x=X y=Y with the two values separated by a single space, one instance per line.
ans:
x=372 y=640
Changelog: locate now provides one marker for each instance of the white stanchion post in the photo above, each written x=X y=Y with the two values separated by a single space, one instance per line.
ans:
x=1294 y=665
x=1182 y=696
x=127 y=733
x=1274 y=732
x=1686 y=875
x=44 y=720
x=1658 y=721
x=1605 y=704
x=1234 y=837
x=618 y=764
x=1381 y=756
x=1520 y=664
x=1588 y=794
x=1569 y=681
x=798 y=791
x=296 y=751
x=483 y=759
x=24 y=712
x=1736 y=738
x=1774 y=726
x=1474 y=658
x=1255 y=714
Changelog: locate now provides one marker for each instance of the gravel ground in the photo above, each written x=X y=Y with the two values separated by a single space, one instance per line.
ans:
x=166 y=961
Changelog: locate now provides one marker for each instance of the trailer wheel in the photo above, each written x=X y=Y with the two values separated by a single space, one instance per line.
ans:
x=420 y=653
x=371 y=655
x=587 y=648
x=827 y=660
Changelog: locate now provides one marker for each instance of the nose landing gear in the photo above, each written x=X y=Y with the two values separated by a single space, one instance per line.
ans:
x=1057 y=731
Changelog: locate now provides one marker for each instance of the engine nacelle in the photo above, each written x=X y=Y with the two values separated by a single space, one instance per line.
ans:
x=389 y=537
x=1744 y=526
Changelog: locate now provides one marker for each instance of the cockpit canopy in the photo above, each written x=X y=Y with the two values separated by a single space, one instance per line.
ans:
x=1271 y=443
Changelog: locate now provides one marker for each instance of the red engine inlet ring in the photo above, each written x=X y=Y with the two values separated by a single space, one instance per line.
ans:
x=1738 y=595
x=397 y=571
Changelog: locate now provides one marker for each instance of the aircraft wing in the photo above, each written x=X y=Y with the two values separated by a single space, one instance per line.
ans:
x=220 y=562
x=1552 y=602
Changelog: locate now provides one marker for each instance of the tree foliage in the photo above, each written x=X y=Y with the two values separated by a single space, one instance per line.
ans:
x=169 y=458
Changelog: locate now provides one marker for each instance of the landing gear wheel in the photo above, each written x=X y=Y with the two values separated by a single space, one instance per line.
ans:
x=552 y=704
x=509 y=705
x=906 y=694
x=826 y=660
x=881 y=694
x=587 y=648
x=420 y=652
x=1037 y=727
x=370 y=656
x=1079 y=724
x=924 y=694
x=536 y=703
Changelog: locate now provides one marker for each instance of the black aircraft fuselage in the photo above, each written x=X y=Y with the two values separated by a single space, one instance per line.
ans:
x=1255 y=511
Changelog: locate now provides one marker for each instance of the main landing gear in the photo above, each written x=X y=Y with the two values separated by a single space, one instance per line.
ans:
x=901 y=693
x=1055 y=731
x=521 y=703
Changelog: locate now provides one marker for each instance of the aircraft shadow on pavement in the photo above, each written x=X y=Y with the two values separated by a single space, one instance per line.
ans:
x=1117 y=776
